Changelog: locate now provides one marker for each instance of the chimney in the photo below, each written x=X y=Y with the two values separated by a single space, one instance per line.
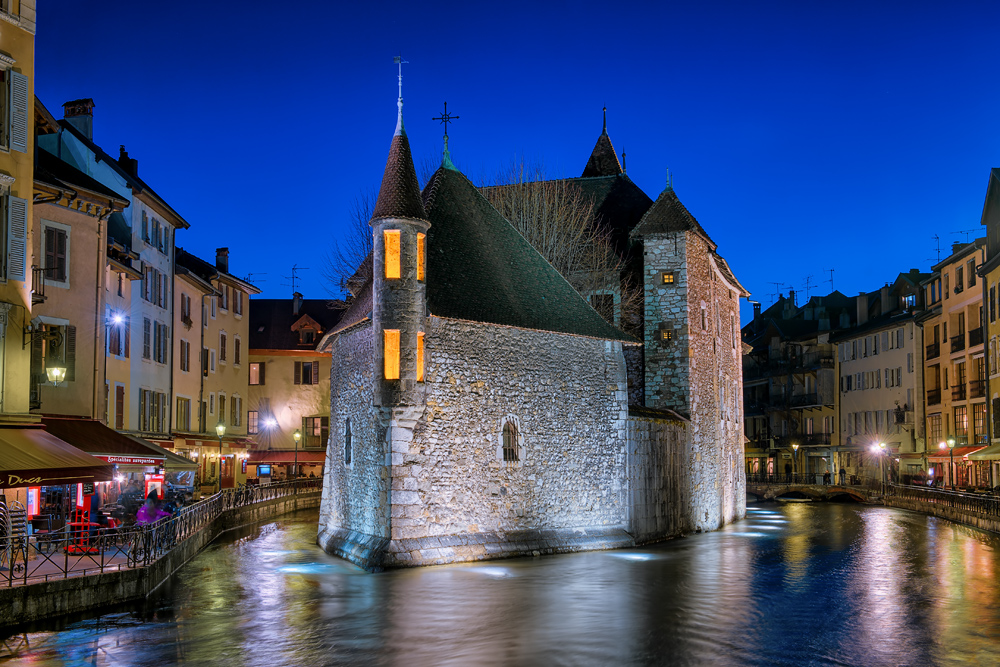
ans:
x=956 y=246
x=296 y=303
x=130 y=165
x=222 y=259
x=862 y=302
x=80 y=114
x=884 y=298
x=756 y=310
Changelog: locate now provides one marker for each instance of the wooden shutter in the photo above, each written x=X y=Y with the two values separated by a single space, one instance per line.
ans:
x=315 y=370
x=17 y=238
x=298 y=372
x=261 y=374
x=18 y=112
x=128 y=327
x=70 y=354
x=119 y=407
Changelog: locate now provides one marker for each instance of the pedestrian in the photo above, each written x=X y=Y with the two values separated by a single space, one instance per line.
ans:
x=788 y=471
x=826 y=477
x=150 y=512
x=843 y=476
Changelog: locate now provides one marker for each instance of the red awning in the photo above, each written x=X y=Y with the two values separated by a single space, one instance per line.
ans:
x=109 y=445
x=30 y=456
x=958 y=453
x=284 y=456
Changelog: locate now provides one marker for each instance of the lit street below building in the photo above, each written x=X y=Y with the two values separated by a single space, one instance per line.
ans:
x=793 y=584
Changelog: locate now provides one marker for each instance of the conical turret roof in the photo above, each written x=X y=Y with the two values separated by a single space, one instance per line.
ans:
x=603 y=160
x=399 y=196
x=668 y=214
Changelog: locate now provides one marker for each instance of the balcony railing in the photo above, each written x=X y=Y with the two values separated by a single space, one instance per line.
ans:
x=804 y=400
x=958 y=343
x=934 y=350
x=977 y=388
x=958 y=392
x=817 y=439
x=975 y=337
x=933 y=396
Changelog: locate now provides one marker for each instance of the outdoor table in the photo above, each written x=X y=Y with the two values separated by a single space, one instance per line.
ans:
x=79 y=538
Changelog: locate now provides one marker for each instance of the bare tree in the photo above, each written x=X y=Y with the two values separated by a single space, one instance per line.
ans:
x=559 y=220
x=347 y=265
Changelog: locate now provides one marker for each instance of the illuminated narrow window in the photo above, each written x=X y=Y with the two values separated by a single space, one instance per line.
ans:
x=391 y=239
x=420 y=256
x=420 y=357
x=392 y=354
x=667 y=334
x=668 y=278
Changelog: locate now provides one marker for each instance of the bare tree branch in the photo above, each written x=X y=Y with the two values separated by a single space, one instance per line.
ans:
x=347 y=265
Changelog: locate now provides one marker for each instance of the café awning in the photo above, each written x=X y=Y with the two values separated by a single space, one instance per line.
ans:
x=171 y=462
x=991 y=453
x=959 y=453
x=109 y=445
x=283 y=456
x=31 y=456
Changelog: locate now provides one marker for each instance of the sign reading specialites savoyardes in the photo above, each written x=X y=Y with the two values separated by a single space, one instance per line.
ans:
x=133 y=460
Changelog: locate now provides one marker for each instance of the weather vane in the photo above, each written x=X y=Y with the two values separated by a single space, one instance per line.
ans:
x=400 y=62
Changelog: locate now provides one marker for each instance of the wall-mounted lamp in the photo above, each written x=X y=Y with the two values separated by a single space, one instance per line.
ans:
x=56 y=374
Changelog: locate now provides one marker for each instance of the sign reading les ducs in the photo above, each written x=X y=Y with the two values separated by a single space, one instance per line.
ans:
x=133 y=460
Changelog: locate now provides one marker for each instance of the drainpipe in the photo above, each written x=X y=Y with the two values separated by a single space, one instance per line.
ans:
x=986 y=360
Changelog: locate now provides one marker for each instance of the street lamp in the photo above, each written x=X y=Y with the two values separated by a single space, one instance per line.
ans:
x=881 y=464
x=795 y=456
x=951 y=456
x=296 y=436
x=220 y=428
x=56 y=374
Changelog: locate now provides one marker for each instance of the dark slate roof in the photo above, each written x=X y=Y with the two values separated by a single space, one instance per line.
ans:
x=119 y=230
x=360 y=308
x=271 y=322
x=50 y=170
x=480 y=268
x=603 y=160
x=399 y=196
x=668 y=214
x=206 y=270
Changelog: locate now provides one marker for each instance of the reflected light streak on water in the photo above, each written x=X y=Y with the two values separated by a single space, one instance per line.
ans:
x=793 y=584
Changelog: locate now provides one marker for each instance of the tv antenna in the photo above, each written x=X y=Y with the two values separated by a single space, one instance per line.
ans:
x=250 y=279
x=966 y=232
x=937 y=247
x=777 y=289
x=831 y=279
x=295 y=275
x=809 y=286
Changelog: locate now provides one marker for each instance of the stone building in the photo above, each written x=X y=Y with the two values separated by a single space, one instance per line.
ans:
x=480 y=407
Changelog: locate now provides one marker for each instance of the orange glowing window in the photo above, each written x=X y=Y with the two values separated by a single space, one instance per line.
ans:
x=391 y=239
x=420 y=357
x=668 y=278
x=391 y=354
x=420 y=256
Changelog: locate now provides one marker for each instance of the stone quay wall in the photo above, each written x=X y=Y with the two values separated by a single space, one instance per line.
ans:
x=659 y=504
x=966 y=517
x=59 y=597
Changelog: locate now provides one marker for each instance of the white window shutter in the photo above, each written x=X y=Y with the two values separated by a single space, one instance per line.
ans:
x=18 y=112
x=17 y=238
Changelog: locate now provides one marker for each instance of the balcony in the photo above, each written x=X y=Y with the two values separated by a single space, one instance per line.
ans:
x=804 y=400
x=934 y=350
x=975 y=337
x=933 y=396
x=977 y=388
x=37 y=285
x=958 y=392
x=817 y=439
x=958 y=343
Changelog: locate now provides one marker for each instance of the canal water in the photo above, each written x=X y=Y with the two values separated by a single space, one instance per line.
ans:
x=793 y=584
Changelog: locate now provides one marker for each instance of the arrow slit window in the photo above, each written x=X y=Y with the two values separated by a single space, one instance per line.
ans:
x=391 y=354
x=420 y=357
x=392 y=261
x=421 y=243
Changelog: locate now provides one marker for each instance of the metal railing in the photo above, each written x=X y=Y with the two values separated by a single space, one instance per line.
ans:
x=958 y=343
x=977 y=388
x=808 y=478
x=975 y=337
x=933 y=396
x=983 y=503
x=958 y=391
x=934 y=350
x=82 y=549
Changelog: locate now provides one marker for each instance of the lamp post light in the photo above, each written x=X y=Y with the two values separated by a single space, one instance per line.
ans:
x=220 y=428
x=296 y=436
x=951 y=457
x=795 y=456
x=881 y=463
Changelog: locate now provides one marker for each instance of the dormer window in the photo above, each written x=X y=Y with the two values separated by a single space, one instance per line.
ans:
x=307 y=337
x=392 y=260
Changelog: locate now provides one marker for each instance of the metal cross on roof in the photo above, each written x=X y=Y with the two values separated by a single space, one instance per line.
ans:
x=445 y=118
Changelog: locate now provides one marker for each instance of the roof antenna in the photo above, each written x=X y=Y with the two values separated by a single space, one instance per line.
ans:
x=670 y=180
x=604 y=130
x=624 y=170
x=830 y=280
x=399 y=103
x=446 y=118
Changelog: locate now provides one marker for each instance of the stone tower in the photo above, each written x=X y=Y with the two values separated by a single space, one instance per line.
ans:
x=399 y=299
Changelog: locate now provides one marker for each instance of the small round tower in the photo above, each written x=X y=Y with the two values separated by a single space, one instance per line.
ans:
x=399 y=298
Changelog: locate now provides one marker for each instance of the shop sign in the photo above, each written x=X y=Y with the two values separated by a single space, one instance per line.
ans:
x=133 y=460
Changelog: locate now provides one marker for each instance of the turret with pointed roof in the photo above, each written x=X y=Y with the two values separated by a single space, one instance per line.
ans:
x=603 y=160
x=399 y=301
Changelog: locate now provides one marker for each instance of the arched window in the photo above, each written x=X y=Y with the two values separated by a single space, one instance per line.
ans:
x=347 y=441
x=510 y=441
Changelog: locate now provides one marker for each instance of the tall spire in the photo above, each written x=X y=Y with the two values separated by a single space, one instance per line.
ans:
x=400 y=130
x=603 y=160
x=446 y=118
x=604 y=130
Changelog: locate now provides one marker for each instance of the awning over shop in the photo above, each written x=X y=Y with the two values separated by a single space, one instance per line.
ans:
x=288 y=456
x=944 y=455
x=109 y=445
x=171 y=462
x=30 y=456
x=991 y=453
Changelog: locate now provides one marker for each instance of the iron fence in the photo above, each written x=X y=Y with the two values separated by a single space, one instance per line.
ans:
x=82 y=549
x=984 y=503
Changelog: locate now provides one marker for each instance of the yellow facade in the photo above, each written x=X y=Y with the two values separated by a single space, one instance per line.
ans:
x=17 y=59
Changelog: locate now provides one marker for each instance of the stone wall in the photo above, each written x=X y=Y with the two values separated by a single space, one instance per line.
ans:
x=567 y=397
x=355 y=495
x=659 y=504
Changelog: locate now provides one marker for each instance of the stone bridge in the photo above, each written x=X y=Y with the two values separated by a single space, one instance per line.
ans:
x=772 y=490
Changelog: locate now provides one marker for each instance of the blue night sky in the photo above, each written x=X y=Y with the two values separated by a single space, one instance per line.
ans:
x=803 y=138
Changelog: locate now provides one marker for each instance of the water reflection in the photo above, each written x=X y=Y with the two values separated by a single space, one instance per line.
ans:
x=793 y=584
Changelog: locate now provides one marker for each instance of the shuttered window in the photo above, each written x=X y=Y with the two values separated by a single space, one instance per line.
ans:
x=392 y=259
x=420 y=255
x=55 y=254
x=391 y=354
x=420 y=357
x=119 y=406
x=17 y=238
x=70 y=353
x=18 y=112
